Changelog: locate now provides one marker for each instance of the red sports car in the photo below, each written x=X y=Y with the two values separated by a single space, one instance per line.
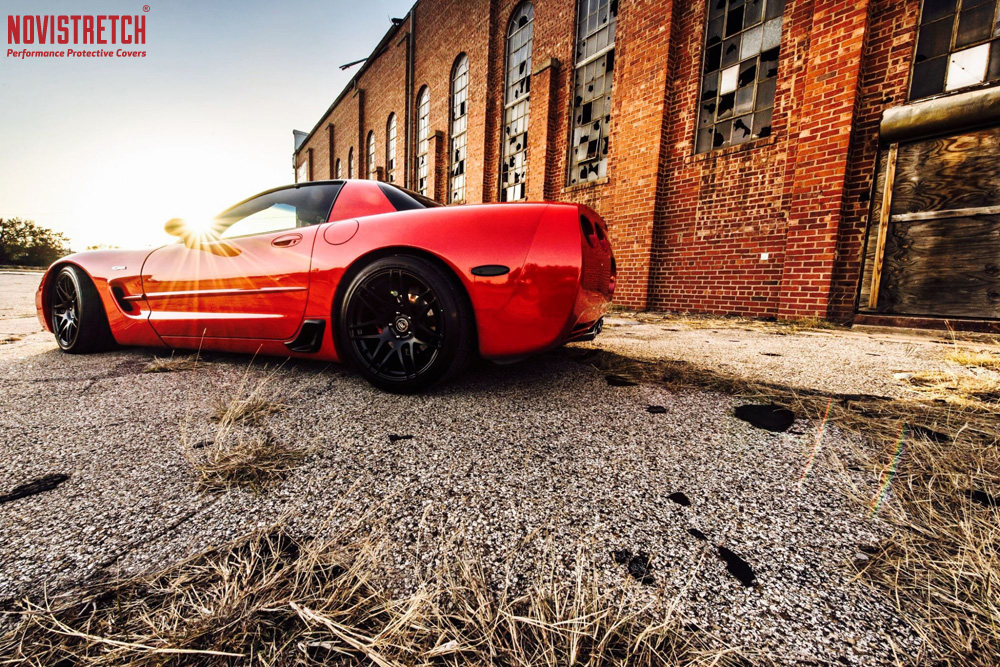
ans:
x=403 y=289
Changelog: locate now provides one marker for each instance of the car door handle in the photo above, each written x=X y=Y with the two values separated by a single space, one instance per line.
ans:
x=286 y=241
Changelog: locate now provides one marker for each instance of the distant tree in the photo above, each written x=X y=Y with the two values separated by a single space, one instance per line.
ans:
x=102 y=246
x=24 y=243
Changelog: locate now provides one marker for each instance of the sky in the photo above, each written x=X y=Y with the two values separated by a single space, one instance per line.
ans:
x=107 y=150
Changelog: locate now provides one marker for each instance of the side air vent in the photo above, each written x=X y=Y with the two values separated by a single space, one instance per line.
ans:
x=310 y=338
x=119 y=295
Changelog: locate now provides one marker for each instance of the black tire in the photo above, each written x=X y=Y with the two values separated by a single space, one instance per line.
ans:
x=76 y=313
x=405 y=324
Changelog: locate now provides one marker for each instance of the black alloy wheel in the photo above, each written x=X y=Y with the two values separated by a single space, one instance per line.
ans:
x=78 y=319
x=66 y=309
x=405 y=324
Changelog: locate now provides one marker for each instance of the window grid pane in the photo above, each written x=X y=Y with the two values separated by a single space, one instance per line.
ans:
x=459 y=124
x=958 y=46
x=370 y=156
x=514 y=152
x=390 y=150
x=742 y=45
x=337 y=173
x=423 y=130
x=597 y=21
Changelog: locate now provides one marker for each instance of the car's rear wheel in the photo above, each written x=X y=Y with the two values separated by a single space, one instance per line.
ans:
x=78 y=318
x=405 y=324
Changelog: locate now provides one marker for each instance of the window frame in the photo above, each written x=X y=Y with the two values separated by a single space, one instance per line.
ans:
x=350 y=162
x=951 y=51
x=370 y=156
x=423 y=122
x=509 y=106
x=337 y=171
x=702 y=75
x=579 y=66
x=390 y=149
x=461 y=59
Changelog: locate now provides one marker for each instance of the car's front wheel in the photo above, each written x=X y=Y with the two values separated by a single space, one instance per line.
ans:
x=405 y=324
x=78 y=318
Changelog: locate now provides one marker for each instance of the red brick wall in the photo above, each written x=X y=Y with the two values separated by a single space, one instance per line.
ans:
x=885 y=79
x=689 y=230
x=385 y=93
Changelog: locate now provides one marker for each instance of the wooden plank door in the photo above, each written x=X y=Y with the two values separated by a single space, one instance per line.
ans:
x=933 y=246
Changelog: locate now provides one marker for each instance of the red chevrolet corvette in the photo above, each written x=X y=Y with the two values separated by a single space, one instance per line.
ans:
x=403 y=289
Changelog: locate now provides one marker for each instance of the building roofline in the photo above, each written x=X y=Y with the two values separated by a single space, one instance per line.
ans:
x=352 y=84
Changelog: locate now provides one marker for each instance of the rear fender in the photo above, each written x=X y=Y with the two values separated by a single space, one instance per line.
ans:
x=461 y=238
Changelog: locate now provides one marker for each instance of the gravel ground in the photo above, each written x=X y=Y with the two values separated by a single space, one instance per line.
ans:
x=834 y=360
x=503 y=464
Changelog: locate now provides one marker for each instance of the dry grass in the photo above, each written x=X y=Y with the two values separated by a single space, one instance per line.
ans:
x=242 y=453
x=941 y=567
x=962 y=390
x=974 y=358
x=172 y=364
x=271 y=598
x=11 y=338
x=249 y=404
x=253 y=460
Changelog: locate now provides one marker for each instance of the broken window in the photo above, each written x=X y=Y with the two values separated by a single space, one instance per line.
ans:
x=390 y=149
x=596 y=21
x=423 y=131
x=958 y=46
x=370 y=155
x=350 y=163
x=459 y=123
x=337 y=173
x=514 y=140
x=740 y=72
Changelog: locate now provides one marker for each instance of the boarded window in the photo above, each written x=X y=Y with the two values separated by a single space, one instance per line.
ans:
x=740 y=72
x=302 y=172
x=514 y=140
x=390 y=149
x=459 y=124
x=423 y=132
x=958 y=46
x=596 y=22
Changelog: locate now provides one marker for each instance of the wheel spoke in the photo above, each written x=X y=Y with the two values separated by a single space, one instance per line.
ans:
x=428 y=337
x=378 y=304
x=389 y=324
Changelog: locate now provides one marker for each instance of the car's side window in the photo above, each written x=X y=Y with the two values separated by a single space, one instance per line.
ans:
x=278 y=211
x=276 y=218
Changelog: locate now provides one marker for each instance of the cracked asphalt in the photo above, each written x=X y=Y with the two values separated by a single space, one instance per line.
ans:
x=509 y=464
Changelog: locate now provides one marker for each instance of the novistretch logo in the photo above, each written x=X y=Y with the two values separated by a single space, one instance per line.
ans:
x=77 y=29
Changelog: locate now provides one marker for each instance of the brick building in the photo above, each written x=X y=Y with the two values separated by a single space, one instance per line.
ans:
x=737 y=148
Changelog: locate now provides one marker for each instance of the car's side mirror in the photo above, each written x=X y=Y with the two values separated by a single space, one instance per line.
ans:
x=175 y=227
